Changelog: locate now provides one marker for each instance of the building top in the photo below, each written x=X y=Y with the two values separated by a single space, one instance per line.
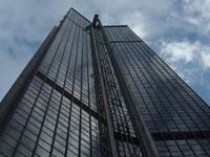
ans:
x=94 y=90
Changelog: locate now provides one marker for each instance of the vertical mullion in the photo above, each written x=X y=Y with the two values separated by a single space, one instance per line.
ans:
x=104 y=67
x=179 y=81
x=62 y=94
x=116 y=95
x=88 y=85
x=73 y=86
x=147 y=142
x=50 y=98
x=186 y=112
x=104 y=95
x=81 y=90
x=66 y=77
x=27 y=120
x=107 y=75
x=165 y=107
x=101 y=102
x=151 y=115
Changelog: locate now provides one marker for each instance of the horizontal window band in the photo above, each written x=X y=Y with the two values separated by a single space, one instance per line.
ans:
x=70 y=96
x=120 y=41
x=115 y=26
x=194 y=135
x=125 y=41
x=126 y=138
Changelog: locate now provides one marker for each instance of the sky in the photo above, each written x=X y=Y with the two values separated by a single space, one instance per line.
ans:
x=177 y=30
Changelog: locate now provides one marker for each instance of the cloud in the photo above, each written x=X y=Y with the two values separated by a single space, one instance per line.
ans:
x=10 y=68
x=206 y=59
x=191 y=60
x=197 y=11
x=170 y=28
x=186 y=52
x=24 y=25
x=176 y=51
x=141 y=16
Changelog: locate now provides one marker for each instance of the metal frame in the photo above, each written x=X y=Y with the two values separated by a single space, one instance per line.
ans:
x=140 y=127
x=98 y=71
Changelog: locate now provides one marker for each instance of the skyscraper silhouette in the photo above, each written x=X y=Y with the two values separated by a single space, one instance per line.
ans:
x=94 y=90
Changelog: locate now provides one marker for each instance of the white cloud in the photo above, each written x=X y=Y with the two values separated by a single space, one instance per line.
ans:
x=206 y=59
x=176 y=51
x=24 y=24
x=197 y=9
x=137 y=22
x=190 y=59
x=194 y=16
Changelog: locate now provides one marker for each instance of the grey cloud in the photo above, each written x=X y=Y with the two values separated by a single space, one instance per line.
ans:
x=191 y=60
x=24 y=24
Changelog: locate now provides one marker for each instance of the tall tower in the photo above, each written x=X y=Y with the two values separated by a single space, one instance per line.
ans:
x=94 y=90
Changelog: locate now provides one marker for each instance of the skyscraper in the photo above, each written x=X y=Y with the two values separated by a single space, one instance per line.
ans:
x=94 y=90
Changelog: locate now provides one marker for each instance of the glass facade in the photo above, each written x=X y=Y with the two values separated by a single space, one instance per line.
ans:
x=175 y=115
x=101 y=91
x=57 y=115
